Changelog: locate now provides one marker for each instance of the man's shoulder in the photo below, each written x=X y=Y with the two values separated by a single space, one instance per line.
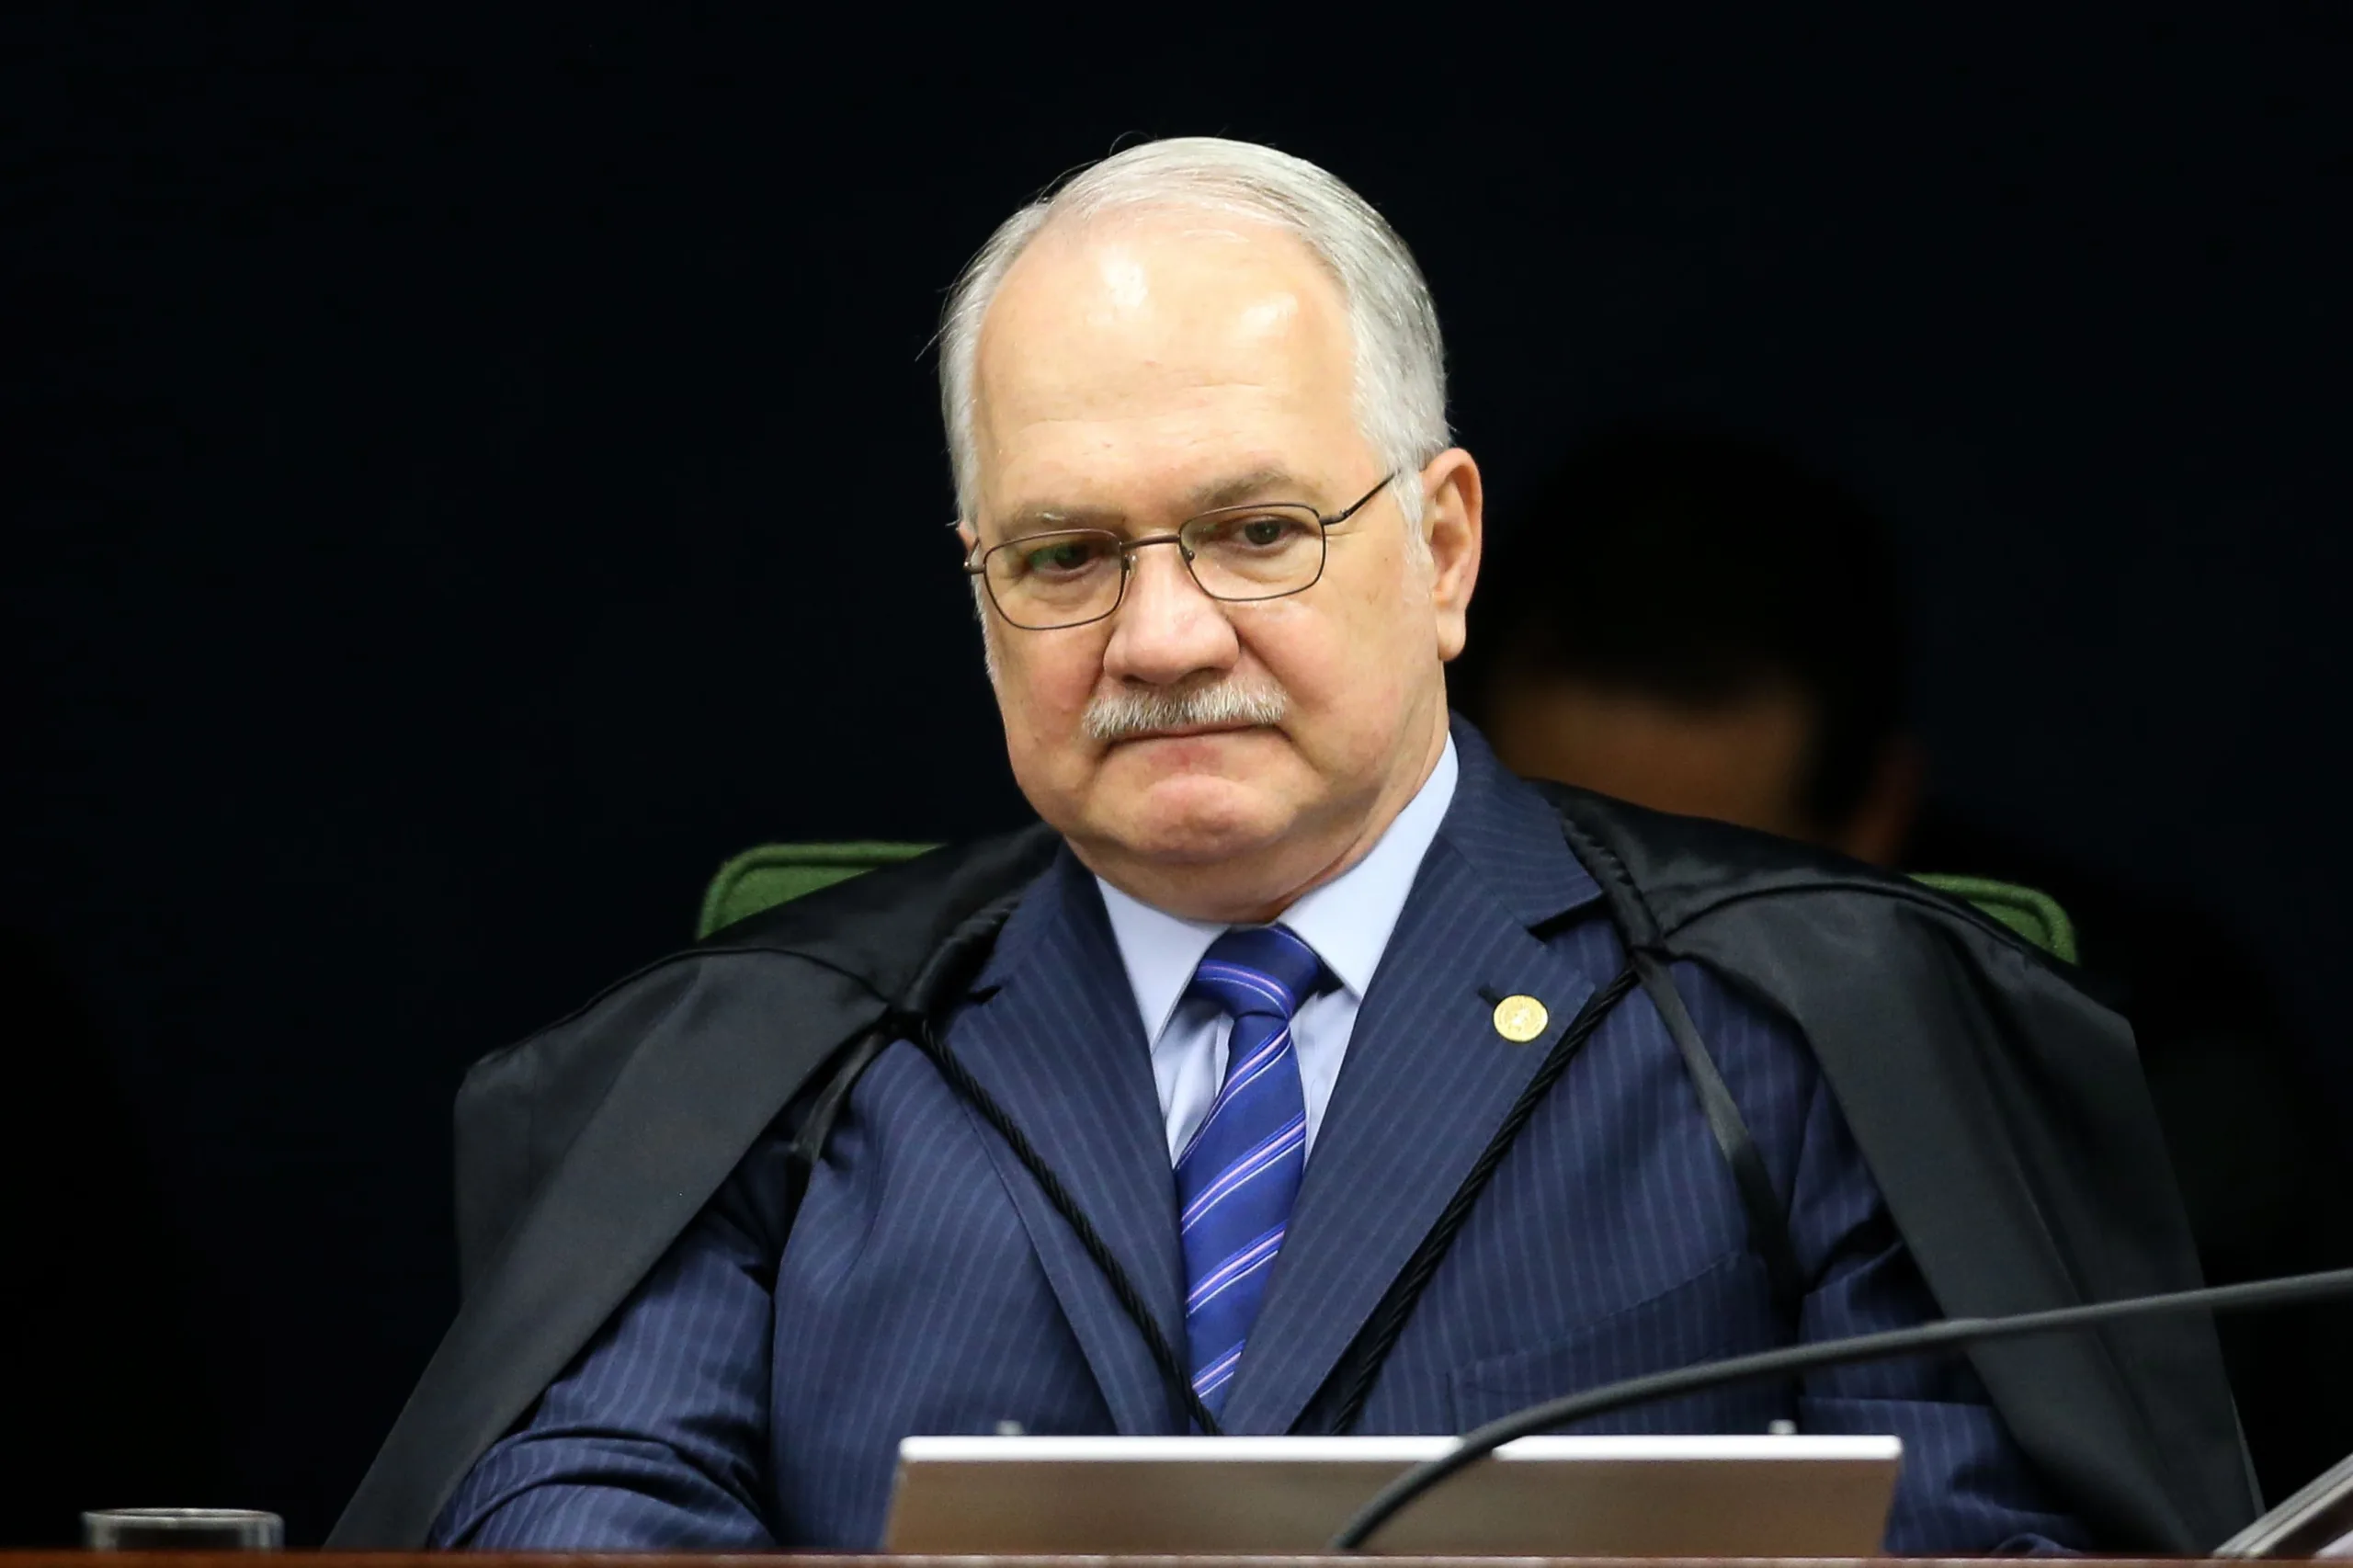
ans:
x=1660 y=875
x=788 y=985
x=874 y=929
x=1667 y=874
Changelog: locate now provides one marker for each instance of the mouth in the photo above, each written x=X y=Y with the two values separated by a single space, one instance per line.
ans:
x=1188 y=732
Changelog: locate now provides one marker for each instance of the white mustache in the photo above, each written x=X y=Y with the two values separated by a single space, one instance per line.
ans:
x=1127 y=714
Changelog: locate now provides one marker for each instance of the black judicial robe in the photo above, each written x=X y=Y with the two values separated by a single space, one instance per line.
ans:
x=2001 y=1109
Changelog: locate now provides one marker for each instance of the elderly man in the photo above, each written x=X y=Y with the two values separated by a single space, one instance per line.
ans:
x=1304 y=1071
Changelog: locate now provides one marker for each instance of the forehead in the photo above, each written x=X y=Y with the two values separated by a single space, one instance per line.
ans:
x=1175 y=344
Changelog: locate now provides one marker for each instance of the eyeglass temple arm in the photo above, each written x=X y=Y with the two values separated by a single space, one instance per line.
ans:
x=1360 y=502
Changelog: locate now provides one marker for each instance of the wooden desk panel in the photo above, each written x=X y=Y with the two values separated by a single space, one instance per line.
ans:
x=649 y=1560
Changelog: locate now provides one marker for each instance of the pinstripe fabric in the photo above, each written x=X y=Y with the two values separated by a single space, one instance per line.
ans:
x=752 y=1393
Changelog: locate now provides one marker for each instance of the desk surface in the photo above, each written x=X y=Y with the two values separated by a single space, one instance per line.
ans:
x=582 y=1560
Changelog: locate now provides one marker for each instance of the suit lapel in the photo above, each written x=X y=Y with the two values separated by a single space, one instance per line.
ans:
x=1054 y=1039
x=1427 y=1080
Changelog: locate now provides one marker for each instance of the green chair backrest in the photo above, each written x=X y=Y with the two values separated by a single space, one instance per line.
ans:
x=2032 y=914
x=775 y=873
x=778 y=873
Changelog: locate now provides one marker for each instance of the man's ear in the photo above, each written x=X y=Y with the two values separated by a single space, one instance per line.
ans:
x=1453 y=524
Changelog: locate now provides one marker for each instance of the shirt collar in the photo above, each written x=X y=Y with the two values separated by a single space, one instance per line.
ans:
x=1346 y=921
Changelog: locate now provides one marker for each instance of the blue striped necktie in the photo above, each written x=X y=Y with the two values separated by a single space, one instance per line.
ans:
x=1236 y=1179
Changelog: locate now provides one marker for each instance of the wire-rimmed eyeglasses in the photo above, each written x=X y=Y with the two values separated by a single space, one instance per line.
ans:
x=1268 y=549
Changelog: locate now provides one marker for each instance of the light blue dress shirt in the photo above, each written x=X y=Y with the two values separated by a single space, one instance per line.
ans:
x=1346 y=921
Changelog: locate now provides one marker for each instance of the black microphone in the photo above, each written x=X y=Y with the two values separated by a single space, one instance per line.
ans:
x=1953 y=1334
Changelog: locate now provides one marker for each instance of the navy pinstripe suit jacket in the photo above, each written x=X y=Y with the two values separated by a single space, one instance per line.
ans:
x=753 y=1390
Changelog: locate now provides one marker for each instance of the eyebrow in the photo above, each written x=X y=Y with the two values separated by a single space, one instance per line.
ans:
x=1260 y=484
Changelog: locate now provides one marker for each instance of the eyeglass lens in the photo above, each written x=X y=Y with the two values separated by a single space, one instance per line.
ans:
x=1065 y=579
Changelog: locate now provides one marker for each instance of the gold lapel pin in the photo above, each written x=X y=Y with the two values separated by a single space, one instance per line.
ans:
x=1520 y=1018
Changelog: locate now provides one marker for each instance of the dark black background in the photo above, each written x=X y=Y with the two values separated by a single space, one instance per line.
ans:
x=469 y=475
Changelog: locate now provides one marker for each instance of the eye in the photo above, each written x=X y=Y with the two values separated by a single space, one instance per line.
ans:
x=1062 y=555
x=1257 y=531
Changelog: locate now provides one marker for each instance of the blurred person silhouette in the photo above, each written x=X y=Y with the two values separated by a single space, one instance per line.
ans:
x=1767 y=689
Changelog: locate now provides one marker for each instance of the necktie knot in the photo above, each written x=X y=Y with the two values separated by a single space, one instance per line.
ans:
x=1259 y=972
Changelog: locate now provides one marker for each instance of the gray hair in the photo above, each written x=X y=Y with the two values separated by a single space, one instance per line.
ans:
x=1400 y=358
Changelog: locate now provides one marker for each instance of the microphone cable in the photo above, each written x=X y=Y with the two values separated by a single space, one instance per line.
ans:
x=1951 y=1334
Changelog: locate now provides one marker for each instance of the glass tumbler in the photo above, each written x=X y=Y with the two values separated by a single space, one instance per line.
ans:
x=182 y=1530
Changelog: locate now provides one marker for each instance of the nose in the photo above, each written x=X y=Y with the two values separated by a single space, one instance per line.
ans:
x=1167 y=628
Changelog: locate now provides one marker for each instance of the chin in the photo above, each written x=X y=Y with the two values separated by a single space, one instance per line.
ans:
x=1197 y=820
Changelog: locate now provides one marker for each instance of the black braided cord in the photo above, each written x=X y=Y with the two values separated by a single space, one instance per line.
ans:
x=919 y=1031
x=1381 y=1331
x=809 y=1144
